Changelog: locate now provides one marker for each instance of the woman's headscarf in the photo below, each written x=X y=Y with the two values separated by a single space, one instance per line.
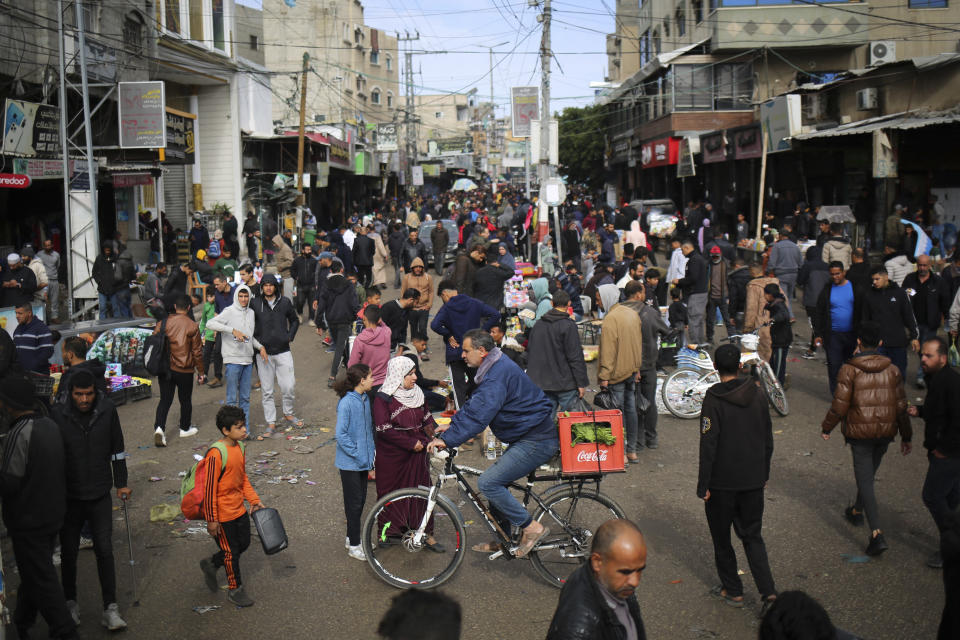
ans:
x=397 y=369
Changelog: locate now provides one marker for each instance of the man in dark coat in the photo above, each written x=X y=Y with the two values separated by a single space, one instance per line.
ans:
x=555 y=356
x=199 y=237
x=597 y=601
x=439 y=239
x=395 y=242
x=363 y=250
x=105 y=275
x=18 y=282
x=230 y=234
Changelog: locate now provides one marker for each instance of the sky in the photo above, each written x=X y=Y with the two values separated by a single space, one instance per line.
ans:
x=464 y=29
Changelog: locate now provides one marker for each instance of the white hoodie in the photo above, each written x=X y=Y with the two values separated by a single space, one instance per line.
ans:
x=243 y=320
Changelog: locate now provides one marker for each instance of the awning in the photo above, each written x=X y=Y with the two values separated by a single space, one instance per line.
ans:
x=658 y=62
x=903 y=120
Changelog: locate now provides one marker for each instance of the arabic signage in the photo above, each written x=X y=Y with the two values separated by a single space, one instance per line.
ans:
x=524 y=109
x=31 y=130
x=714 y=147
x=180 y=139
x=122 y=180
x=442 y=146
x=685 y=166
x=142 y=115
x=40 y=169
x=387 y=137
x=659 y=153
x=340 y=154
x=747 y=143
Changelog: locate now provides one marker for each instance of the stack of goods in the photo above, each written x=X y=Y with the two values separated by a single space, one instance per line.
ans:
x=515 y=293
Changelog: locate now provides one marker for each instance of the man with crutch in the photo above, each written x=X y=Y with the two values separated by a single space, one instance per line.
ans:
x=95 y=459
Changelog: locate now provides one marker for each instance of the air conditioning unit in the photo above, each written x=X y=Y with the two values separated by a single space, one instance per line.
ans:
x=882 y=52
x=867 y=99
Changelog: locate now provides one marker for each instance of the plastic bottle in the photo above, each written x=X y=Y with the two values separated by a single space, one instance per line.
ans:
x=491 y=448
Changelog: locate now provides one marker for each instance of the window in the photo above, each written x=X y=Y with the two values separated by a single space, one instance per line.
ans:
x=696 y=8
x=461 y=114
x=389 y=100
x=374 y=57
x=666 y=27
x=359 y=83
x=219 y=42
x=133 y=33
x=91 y=16
x=681 y=18
x=172 y=19
x=375 y=96
x=438 y=115
x=346 y=32
x=254 y=42
x=389 y=63
x=656 y=43
x=645 y=48
x=733 y=86
x=693 y=87
x=928 y=4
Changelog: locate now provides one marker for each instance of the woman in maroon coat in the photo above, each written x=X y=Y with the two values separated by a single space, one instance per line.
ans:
x=404 y=426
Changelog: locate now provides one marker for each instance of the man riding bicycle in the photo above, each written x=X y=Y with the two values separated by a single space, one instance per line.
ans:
x=519 y=414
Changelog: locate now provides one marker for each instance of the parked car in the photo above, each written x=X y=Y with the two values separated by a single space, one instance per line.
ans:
x=454 y=233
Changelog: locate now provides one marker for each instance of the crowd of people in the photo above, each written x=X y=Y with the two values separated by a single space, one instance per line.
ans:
x=510 y=371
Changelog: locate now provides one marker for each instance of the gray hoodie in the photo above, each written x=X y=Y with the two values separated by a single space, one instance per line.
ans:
x=241 y=319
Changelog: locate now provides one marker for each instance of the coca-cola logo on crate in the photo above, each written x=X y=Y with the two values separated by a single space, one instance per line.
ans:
x=591 y=456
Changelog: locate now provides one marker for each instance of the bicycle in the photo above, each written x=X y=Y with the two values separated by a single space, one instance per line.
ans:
x=684 y=389
x=576 y=511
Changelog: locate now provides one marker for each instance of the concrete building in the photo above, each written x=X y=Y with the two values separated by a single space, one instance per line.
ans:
x=623 y=45
x=354 y=67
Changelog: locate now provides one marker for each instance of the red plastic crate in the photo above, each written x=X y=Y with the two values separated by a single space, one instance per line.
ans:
x=589 y=457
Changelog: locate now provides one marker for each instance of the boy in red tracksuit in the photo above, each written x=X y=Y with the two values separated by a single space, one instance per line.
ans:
x=223 y=508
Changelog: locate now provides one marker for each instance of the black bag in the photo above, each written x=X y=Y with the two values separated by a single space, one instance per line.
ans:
x=273 y=536
x=604 y=399
x=156 y=351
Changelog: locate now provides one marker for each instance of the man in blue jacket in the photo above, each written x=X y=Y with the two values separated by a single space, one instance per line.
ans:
x=459 y=314
x=519 y=414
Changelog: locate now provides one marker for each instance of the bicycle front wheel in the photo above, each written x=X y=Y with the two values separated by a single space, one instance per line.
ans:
x=774 y=390
x=578 y=513
x=388 y=540
x=683 y=391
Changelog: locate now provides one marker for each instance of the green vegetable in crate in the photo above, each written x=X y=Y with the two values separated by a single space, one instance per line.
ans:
x=590 y=432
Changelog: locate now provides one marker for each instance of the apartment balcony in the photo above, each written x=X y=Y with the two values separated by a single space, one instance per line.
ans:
x=749 y=24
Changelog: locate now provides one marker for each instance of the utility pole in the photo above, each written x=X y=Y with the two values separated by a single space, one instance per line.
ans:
x=303 y=113
x=409 y=117
x=543 y=171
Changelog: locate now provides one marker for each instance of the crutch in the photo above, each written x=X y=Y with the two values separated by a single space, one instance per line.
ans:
x=133 y=569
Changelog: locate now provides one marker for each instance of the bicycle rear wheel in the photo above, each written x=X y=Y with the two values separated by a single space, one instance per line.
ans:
x=774 y=390
x=684 y=389
x=387 y=539
x=580 y=513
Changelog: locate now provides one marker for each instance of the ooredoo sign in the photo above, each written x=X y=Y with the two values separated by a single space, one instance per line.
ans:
x=14 y=181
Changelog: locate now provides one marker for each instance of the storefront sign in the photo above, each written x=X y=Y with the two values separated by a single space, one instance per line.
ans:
x=31 y=130
x=525 y=108
x=41 y=169
x=339 y=152
x=14 y=181
x=884 y=154
x=387 y=137
x=513 y=152
x=714 y=147
x=660 y=153
x=323 y=174
x=619 y=150
x=780 y=119
x=685 y=166
x=142 y=115
x=747 y=143
x=123 y=180
x=416 y=175
x=442 y=146
x=180 y=140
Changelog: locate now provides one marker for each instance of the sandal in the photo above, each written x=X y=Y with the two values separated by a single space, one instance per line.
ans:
x=486 y=547
x=434 y=546
x=527 y=544
x=269 y=433
x=720 y=592
x=294 y=421
x=330 y=382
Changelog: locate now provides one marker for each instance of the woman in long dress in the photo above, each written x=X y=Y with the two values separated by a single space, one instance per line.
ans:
x=404 y=427
x=381 y=258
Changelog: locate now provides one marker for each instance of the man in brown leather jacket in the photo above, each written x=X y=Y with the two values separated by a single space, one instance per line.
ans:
x=186 y=355
x=870 y=401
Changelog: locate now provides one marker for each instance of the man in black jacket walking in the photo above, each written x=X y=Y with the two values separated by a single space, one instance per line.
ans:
x=736 y=444
x=337 y=307
x=395 y=314
x=439 y=239
x=95 y=461
x=695 y=284
x=395 y=242
x=363 y=250
x=889 y=306
x=555 y=356
x=598 y=602
x=276 y=327
x=33 y=489
x=929 y=298
x=104 y=274
x=304 y=273
x=941 y=438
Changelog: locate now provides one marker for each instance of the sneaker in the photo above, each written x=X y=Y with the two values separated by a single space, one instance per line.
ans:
x=159 y=438
x=356 y=553
x=86 y=543
x=327 y=341
x=329 y=349
x=935 y=561
x=216 y=382
x=192 y=431
x=111 y=618
x=346 y=543
x=808 y=355
x=209 y=574
x=854 y=518
x=74 y=608
x=239 y=597
x=878 y=544
x=312 y=323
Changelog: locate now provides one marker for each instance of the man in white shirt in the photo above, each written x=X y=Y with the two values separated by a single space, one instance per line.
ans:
x=678 y=261
x=634 y=272
x=40 y=295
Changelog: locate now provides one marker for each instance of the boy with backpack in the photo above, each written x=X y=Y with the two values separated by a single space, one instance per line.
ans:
x=226 y=488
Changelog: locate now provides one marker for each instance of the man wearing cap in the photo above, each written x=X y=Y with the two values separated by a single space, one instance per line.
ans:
x=718 y=293
x=33 y=489
x=39 y=272
x=17 y=283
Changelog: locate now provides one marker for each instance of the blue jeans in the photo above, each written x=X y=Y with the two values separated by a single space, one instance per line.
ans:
x=625 y=395
x=238 y=386
x=562 y=400
x=839 y=348
x=122 y=304
x=517 y=461
x=114 y=305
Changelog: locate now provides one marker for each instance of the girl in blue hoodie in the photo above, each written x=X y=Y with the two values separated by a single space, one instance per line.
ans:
x=355 y=448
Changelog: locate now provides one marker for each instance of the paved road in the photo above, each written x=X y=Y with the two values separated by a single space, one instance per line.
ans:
x=313 y=590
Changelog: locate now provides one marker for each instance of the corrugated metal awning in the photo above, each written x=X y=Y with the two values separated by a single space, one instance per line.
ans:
x=903 y=120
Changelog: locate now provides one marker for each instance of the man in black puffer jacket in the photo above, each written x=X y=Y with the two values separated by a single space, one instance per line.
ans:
x=597 y=602
x=555 y=361
x=337 y=307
